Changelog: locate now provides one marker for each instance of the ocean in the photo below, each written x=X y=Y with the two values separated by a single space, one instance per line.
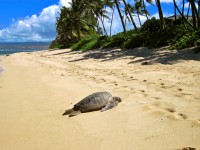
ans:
x=10 y=48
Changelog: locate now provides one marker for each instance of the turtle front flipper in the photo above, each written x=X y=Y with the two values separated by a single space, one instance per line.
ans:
x=112 y=103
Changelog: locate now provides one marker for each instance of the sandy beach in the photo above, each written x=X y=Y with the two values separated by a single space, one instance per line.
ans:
x=160 y=108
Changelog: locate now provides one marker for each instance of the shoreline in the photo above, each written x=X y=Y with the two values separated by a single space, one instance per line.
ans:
x=160 y=100
x=1 y=69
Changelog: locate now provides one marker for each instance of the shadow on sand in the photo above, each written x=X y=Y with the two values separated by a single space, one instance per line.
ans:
x=140 y=55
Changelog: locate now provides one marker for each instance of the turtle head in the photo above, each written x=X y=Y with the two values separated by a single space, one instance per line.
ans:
x=118 y=99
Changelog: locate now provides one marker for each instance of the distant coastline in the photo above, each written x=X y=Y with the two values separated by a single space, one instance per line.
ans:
x=7 y=48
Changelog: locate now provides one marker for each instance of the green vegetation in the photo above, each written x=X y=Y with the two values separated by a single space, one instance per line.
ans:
x=78 y=27
x=150 y=35
x=86 y=44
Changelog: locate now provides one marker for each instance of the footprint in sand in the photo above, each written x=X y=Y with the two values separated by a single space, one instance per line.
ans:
x=157 y=98
x=177 y=116
x=93 y=78
x=179 y=89
x=196 y=123
x=101 y=81
x=169 y=112
x=114 y=83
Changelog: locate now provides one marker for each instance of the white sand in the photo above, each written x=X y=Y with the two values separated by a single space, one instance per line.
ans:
x=160 y=108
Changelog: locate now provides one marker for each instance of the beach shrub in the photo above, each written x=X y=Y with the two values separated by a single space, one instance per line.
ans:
x=136 y=40
x=115 y=41
x=54 y=44
x=184 y=42
x=88 y=43
x=102 y=40
x=197 y=43
x=185 y=39
x=118 y=39
x=151 y=25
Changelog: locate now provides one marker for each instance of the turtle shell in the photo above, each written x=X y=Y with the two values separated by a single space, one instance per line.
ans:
x=95 y=101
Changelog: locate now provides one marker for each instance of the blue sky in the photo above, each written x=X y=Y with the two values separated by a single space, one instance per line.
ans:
x=18 y=9
x=34 y=20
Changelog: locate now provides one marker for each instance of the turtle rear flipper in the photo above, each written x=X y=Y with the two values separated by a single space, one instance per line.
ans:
x=110 y=105
x=74 y=113
x=68 y=111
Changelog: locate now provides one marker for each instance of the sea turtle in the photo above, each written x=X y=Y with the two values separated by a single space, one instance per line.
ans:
x=95 y=101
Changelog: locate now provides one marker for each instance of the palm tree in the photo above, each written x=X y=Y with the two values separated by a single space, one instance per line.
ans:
x=162 y=22
x=188 y=10
x=144 y=6
x=182 y=15
x=127 y=8
x=195 y=14
x=111 y=22
x=140 y=7
x=97 y=8
x=198 y=7
x=74 y=23
x=120 y=15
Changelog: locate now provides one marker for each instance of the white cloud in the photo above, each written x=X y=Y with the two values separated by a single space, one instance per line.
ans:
x=166 y=1
x=64 y=3
x=117 y=25
x=34 y=28
x=42 y=27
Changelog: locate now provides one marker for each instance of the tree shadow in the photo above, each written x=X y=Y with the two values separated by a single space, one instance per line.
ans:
x=141 y=55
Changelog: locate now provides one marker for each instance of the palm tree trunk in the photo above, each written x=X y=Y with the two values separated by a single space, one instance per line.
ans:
x=196 y=14
x=98 y=28
x=139 y=19
x=162 y=22
x=183 y=7
x=120 y=15
x=175 y=13
x=182 y=14
x=193 y=14
x=112 y=20
x=145 y=9
x=188 y=10
x=102 y=22
x=131 y=17
x=198 y=8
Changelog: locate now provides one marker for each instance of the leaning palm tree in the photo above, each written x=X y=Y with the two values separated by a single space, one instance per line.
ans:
x=182 y=15
x=127 y=8
x=141 y=7
x=195 y=14
x=97 y=8
x=162 y=22
x=144 y=6
x=111 y=21
x=120 y=15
